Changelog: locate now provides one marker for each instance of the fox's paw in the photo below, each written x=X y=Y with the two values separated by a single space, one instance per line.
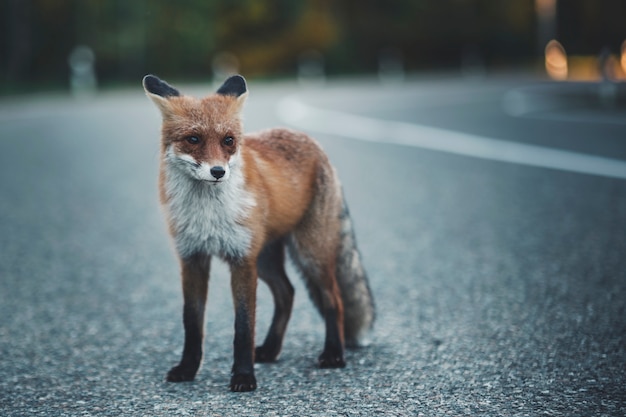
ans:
x=331 y=360
x=180 y=374
x=242 y=383
x=265 y=355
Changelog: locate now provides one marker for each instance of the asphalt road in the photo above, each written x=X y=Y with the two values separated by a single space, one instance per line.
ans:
x=500 y=287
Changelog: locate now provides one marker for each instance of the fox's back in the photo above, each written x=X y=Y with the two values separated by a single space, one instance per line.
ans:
x=290 y=153
x=287 y=170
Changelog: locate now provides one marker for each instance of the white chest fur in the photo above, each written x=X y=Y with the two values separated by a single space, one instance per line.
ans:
x=207 y=217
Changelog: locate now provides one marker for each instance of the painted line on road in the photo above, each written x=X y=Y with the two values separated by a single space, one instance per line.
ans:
x=295 y=112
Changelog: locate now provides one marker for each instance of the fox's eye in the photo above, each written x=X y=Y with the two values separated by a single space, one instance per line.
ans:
x=228 y=141
x=194 y=140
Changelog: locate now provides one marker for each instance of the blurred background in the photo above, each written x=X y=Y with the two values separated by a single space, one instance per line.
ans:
x=54 y=44
x=481 y=146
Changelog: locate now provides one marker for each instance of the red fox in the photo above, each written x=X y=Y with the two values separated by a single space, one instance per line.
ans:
x=246 y=198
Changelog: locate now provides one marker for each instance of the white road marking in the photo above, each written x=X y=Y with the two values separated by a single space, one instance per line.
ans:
x=303 y=116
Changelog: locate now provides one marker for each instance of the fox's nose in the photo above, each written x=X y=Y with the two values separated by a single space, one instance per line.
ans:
x=218 y=172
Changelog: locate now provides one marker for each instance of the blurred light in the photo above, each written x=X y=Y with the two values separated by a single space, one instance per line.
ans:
x=623 y=59
x=83 y=82
x=224 y=65
x=472 y=62
x=608 y=64
x=546 y=9
x=556 y=60
x=390 y=66
x=311 y=68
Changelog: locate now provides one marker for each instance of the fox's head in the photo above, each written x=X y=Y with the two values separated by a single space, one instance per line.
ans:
x=200 y=137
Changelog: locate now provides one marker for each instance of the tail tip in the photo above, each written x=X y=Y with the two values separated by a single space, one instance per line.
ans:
x=362 y=339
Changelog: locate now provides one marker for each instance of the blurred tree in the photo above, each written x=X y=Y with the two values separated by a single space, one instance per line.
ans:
x=435 y=33
x=586 y=27
x=18 y=48
x=180 y=38
x=130 y=36
x=267 y=36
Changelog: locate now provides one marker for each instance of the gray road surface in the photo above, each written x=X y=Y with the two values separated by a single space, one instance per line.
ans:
x=500 y=288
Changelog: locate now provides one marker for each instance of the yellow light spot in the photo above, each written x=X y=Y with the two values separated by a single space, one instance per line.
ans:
x=546 y=9
x=556 y=60
x=623 y=59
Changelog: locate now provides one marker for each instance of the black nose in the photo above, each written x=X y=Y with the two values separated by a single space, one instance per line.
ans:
x=218 y=172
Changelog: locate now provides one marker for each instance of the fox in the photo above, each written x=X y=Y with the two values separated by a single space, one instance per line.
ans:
x=251 y=199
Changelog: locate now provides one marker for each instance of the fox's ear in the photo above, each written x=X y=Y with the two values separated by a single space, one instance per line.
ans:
x=159 y=92
x=235 y=86
x=154 y=85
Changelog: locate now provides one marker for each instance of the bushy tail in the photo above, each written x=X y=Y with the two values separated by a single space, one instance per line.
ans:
x=358 y=304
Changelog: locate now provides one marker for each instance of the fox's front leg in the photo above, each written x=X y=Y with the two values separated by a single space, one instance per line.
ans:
x=195 y=280
x=243 y=284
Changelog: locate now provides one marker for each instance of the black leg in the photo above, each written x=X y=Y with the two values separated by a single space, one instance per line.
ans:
x=195 y=277
x=332 y=356
x=272 y=270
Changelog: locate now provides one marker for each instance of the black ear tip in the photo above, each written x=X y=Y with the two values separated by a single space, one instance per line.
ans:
x=238 y=78
x=155 y=85
x=150 y=81
x=233 y=86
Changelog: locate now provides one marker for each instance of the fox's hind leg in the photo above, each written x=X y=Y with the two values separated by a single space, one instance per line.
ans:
x=332 y=312
x=271 y=267
x=318 y=270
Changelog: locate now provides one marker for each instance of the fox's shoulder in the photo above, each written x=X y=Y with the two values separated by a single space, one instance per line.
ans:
x=280 y=135
x=283 y=143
